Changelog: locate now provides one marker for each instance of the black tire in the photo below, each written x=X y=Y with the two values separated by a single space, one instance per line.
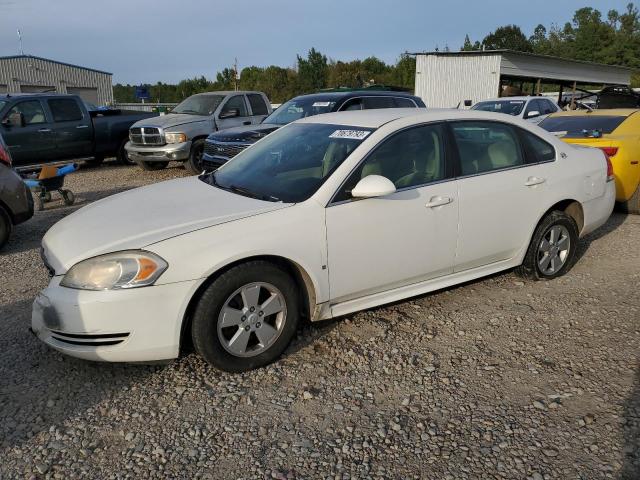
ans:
x=632 y=205
x=123 y=156
x=194 y=163
x=5 y=227
x=204 y=329
x=68 y=197
x=530 y=267
x=153 y=166
x=95 y=161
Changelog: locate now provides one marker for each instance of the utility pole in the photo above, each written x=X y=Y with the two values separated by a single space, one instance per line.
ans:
x=235 y=73
x=20 y=42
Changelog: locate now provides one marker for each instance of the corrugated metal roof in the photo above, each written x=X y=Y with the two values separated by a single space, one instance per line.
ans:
x=10 y=57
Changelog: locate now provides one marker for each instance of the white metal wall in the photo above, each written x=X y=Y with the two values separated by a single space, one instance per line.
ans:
x=446 y=81
x=34 y=71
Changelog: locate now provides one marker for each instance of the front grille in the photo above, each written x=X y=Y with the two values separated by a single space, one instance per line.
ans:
x=89 y=340
x=146 y=136
x=226 y=150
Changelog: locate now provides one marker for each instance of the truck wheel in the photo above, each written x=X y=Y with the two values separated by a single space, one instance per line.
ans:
x=95 y=161
x=151 y=166
x=194 y=163
x=123 y=156
x=633 y=204
x=5 y=227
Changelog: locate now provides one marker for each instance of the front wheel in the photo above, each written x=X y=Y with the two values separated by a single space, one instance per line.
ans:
x=247 y=317
x=553 y=248
x=152 y=166
x=5 y=227
x=194 y=162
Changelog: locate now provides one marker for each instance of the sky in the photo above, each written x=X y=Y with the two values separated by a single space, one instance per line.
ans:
x=146 y=41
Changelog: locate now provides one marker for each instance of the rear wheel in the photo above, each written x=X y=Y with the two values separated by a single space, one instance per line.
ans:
x=633 y=204
x=151 y=166
x=194 y=163
x=5 y=227
x=247 y=317
x=552 y=250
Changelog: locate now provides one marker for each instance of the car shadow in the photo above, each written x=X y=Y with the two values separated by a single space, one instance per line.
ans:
x=631 y=433
x=36 y=382
x=615 y=220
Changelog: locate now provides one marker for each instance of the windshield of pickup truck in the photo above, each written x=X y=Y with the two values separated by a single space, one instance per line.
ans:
x=510 y=107
x=199 y=105
x=290 y=164
x=299 y=108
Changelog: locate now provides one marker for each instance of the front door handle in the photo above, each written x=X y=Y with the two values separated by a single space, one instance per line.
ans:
x=82 y=126
x=44 y=130
x=438 y=201
x=533 y=181
x=248 y=122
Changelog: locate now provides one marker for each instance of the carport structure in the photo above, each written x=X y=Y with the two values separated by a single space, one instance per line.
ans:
x=448 y=79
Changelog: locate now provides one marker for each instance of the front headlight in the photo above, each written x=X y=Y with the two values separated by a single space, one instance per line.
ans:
x=115 y=271
x=174 y=137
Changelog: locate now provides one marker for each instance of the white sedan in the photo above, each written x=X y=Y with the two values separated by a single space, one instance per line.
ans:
x=327 y=216
x=532 y=109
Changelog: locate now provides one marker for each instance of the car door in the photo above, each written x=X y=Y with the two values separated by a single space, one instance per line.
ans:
x=259 y=108
x=33 y=141
x=233 y=113
x=72 y=128
x=378 y=244
x=501 y=190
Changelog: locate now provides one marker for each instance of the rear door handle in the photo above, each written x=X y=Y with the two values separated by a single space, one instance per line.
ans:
x=438 y=201
x=44 y=130
x=82 y=126
x=533 y=181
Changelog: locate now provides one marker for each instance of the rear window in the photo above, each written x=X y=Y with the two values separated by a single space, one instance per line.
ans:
x=582 y=126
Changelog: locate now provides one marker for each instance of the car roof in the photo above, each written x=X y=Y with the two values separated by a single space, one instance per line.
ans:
x=228 y=92
x=377 y=118
x=351 y=94
x=524 y=98
x=608 y=112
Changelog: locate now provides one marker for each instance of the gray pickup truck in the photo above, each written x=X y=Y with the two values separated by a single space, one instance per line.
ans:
x=180 y=135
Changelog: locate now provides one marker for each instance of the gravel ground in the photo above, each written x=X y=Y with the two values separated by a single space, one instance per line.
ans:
x=494 y=379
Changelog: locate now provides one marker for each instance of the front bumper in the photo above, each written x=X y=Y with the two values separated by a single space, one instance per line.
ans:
x=137 y=325
x=160 y=153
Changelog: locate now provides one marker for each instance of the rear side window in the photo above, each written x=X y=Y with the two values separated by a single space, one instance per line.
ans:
x=257 y=104
x=371 y=103
x=537 y=150
x=353 y=104
x=404 y=103
x=65 y=110
x=583 y=125
x=486 y=146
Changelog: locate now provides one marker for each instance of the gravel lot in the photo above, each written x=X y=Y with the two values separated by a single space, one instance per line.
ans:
x=497 y=378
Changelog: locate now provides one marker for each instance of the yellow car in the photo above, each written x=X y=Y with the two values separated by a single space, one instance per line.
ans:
x=617 y=133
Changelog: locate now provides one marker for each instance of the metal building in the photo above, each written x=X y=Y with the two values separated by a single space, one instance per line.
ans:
x=448 y=79
x=28 y=74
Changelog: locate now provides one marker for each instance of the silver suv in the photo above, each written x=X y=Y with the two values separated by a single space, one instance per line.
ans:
x=180 y=135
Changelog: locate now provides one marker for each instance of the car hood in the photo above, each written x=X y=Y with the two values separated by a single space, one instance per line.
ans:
x=143 y=216
x=245 y=134
x=171 y=120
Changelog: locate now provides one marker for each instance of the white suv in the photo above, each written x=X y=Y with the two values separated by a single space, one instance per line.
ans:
x=532 y=109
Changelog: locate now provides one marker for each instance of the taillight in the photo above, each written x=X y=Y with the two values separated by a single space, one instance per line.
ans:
x=4 y=156
x=610 y=151
x=609 y=167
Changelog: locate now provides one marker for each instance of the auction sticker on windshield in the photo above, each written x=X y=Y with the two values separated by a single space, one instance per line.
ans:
x=350 y=134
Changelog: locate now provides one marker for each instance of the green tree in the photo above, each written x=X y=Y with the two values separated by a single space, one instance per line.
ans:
x=509 y=37
x=313 y=71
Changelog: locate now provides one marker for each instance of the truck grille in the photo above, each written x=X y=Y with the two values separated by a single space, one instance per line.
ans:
x=146 y=136
x=226 y=150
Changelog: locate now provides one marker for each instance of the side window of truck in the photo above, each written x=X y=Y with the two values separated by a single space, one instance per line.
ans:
x=236 y=103
x=257 y=104
x=31 y=111
x=65 y=110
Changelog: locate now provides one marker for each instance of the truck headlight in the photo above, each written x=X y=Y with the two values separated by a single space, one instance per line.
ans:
x=115 y=271
x=175 y=137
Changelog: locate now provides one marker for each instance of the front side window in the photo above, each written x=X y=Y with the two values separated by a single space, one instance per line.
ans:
x=65 y=110
x=258 y=107
x=290 y=164
x=236 y=103
x=372 y=103
x=532 y=107
x=31 y=112
x=510 y=107
x=410 y=158
x=486 y=146
x=201 y=104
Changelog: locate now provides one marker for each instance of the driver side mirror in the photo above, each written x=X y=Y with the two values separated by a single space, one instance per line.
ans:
x=373 y=186
x=14 y=120
x=231 y=113
x=533 y=113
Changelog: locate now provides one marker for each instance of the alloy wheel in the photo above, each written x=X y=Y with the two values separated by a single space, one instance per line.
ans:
x=553 y=250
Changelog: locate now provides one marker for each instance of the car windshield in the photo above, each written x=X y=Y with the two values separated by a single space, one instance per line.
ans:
x=290 y=164
x=582 y=126
x=510 y=107
x=199 y=105
x=299 y=108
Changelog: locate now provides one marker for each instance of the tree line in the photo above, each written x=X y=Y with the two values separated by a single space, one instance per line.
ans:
x=612 y=39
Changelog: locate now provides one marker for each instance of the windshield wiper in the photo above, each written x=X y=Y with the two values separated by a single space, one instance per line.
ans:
x=248 y=193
